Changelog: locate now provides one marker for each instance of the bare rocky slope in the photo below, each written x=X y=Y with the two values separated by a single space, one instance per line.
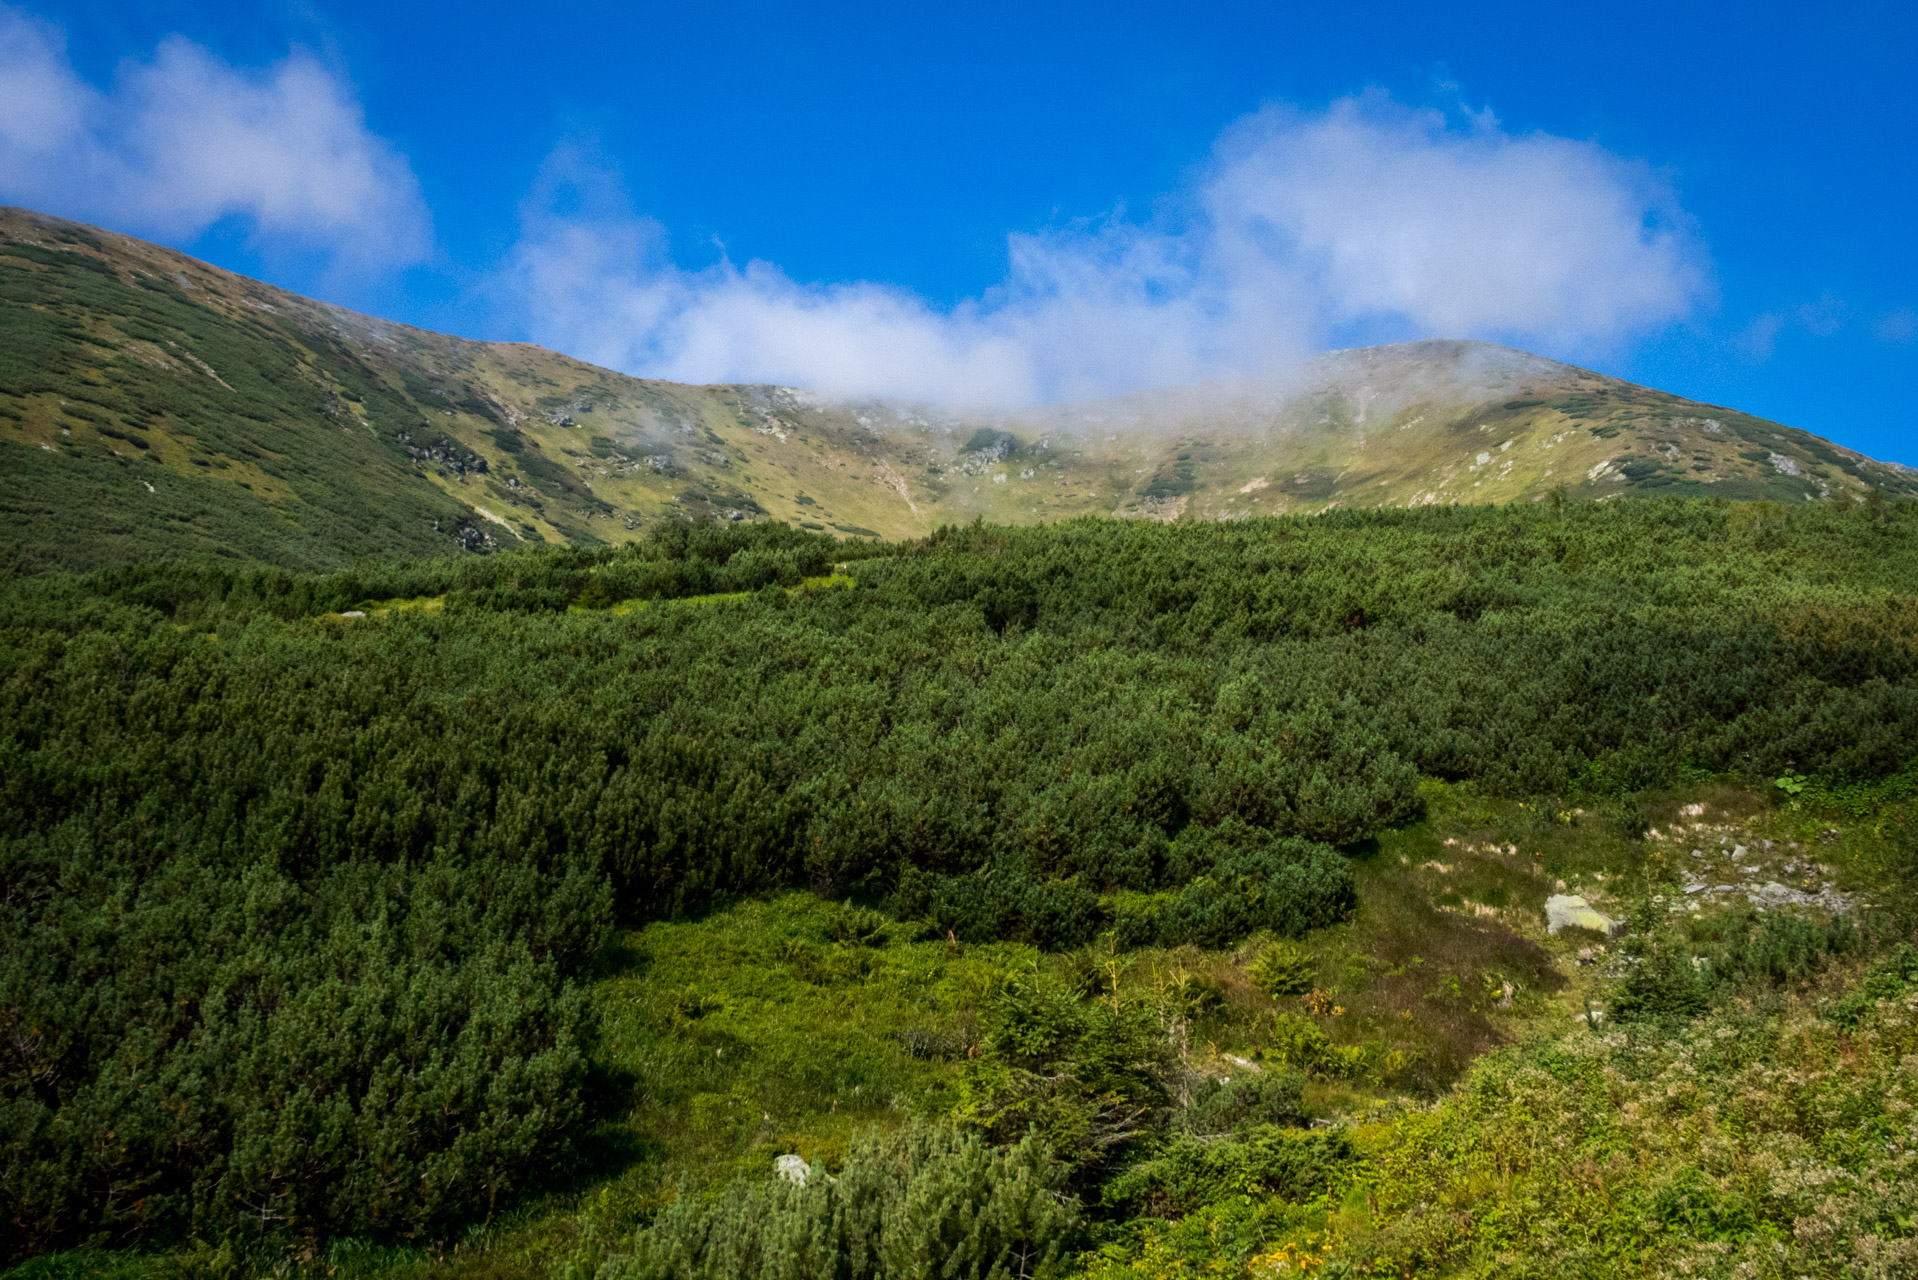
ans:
x=151 y=404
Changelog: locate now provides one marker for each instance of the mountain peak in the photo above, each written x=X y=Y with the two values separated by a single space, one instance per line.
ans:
x=151 y=404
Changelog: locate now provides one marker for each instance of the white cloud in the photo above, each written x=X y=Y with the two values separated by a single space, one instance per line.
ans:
x=1458 y=230
x=1366 y=217
x=1823 y=318
x=1897 y=326
x=184 y=140
x=1758 y=340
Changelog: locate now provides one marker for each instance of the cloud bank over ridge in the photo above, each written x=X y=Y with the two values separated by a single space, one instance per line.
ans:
x=1368 y=218
x=185 y=140
x=1365 y=221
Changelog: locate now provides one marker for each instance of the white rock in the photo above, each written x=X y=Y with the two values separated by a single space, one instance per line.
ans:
x=1563 y=910
x=792 y=1169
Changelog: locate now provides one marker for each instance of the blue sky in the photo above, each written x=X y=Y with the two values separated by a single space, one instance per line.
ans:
x=1025 y=202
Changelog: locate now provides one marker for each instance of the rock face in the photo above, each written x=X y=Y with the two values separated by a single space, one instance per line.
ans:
x=1564 y=910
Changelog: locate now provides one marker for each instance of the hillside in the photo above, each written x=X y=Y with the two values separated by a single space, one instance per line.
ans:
x=1109 y=900
x=151 y=404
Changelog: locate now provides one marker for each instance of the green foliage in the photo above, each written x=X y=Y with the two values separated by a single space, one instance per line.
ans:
x=928 y=1202
x=294 y=902
x=1232 y=1236
x=1679 y=977
x=859 y=926
x=1190 y=1173
x=1246 y=1100
x=1232 y=879
x=1664 y=984
x=233 y=1048
x=1240 y=878
x=1086 y=1075
x=1283 y=969
x=1037 y=1021
x=1299 y=1042
x=1690 y=1204
x=1888 y=978
x=1741 y=1144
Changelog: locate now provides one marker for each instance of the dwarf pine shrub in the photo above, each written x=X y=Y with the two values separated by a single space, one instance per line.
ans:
x=1283 y=969
x=927 y=1202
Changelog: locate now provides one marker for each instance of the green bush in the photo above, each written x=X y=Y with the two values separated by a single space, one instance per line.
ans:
x=1083 y=1074
x=1240 y=878
x=1664 y=985
x=928 y=1202
x=1248 y=1099
x=1680 y=978
x=1887 y=979
x=1690 y=1204
x=240 y=1052
x=1188 y=1174
x=1283 y=969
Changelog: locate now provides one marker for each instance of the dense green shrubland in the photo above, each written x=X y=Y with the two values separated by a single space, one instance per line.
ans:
x=295 y=904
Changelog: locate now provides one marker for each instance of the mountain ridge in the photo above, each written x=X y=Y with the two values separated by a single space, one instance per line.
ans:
x=154 y=405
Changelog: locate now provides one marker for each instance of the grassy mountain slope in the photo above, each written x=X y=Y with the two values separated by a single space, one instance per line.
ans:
x=151 y=404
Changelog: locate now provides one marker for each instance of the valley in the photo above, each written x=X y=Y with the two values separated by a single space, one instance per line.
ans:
x=470 y=815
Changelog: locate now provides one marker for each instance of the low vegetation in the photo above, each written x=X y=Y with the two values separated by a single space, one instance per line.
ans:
x=1174 y=891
